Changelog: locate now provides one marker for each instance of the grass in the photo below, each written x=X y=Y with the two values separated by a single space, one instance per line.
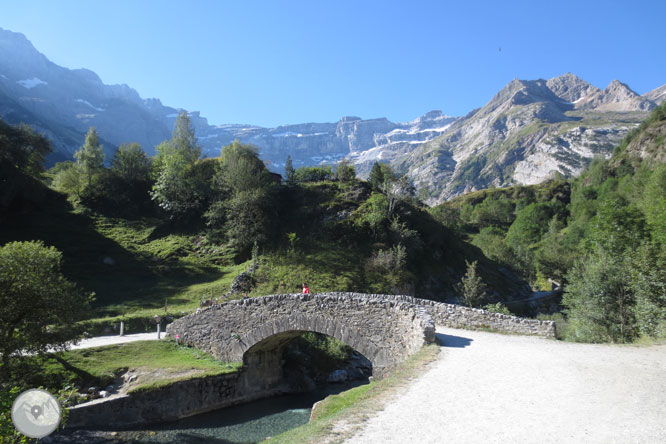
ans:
x=148 y=265
x=338 y=416
x=328 y=267
x=100 y=366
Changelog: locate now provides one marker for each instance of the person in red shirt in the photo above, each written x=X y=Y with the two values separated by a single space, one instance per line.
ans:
x=306 y=290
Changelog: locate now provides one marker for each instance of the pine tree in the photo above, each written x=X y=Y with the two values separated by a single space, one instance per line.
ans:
x=471 y=287
x=376 y=177
x=289 y=172
x=91 y=155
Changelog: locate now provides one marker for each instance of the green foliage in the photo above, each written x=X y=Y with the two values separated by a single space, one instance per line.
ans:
x=38 y=306
x=345 y=172
x=653 y=203
x=491 y=241
x=648 y=282
x=69 y=178
x=599 y=300
x=318 y=353
x=472 y=289
x=8 y=434
x=289 y=173
x=293 y=239
x=381 y=174
x=124 y=189
x=313 y=174
x=131 y=164
x=373 y=211
x=530 y=225
x=22 y=149
x=243 y=200
x=90 y=156
x=497 y=212
x=498 y=307
x=389 y=261
x=22 y=153
x=182 y=184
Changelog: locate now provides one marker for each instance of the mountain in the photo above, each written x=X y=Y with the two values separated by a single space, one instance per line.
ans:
x=63 y=103
x=656 y=95
x=529 y=131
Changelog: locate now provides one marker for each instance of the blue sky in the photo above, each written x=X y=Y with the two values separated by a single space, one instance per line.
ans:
x=280 y=62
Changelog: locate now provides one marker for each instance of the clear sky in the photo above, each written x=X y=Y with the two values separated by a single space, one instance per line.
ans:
x=279 y=62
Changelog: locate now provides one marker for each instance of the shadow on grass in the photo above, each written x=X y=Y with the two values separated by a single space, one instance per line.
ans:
x=120 y=277
x=453 y=341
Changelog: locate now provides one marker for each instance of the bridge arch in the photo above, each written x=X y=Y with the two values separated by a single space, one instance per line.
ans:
x=256 y=330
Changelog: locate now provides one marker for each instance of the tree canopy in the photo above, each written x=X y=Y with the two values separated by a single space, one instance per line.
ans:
x=38 y=305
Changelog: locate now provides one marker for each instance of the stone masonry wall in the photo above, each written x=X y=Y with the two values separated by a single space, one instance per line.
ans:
x=178 y=400
x=458 y=316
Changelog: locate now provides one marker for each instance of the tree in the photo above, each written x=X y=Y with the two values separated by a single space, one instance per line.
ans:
x=181 y=188
x=183 y=139
x=396 y=189
x=38 y=305
x=241 y=169
x=376 y=177
x=345 y=172
x=289 y=171
x=131 y=163
x=22 y=149
x=69 y=178
x=472 y=289
x=91 y=155
x=598 y=300
x=313 y=174
x=22 y=153
x=242 y=202
x=530 y=225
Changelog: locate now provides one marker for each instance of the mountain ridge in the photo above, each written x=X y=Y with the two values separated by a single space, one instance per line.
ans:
x=528 y=131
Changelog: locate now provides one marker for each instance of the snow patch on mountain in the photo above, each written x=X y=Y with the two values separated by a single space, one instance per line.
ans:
x=31 y=83
x=85 y=102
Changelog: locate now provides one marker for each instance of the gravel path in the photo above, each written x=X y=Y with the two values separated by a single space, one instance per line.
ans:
x=99 y=341
x=493 y=388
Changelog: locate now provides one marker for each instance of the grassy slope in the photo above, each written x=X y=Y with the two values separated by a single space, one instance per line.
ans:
x=150 y=267
x=100 y=366
x=154 y=264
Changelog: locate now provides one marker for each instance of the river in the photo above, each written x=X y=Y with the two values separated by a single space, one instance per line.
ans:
x=243 y=424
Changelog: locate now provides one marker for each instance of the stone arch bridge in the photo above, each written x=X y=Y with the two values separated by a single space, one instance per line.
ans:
x=386 y=329
x=256 y=330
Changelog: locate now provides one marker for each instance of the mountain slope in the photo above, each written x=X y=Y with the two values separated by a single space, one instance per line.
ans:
x=529 y=131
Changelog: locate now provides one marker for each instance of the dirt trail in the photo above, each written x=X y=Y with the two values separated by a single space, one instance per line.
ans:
x=493 y=388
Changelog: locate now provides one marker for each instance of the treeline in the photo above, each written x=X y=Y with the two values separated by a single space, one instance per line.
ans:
x=601 y=237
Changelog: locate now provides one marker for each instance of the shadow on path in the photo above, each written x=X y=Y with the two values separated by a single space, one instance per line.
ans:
x=453 y=341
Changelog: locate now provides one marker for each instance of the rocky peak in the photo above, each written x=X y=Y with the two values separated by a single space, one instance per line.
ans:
x=571 y=88
x=618 y=97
